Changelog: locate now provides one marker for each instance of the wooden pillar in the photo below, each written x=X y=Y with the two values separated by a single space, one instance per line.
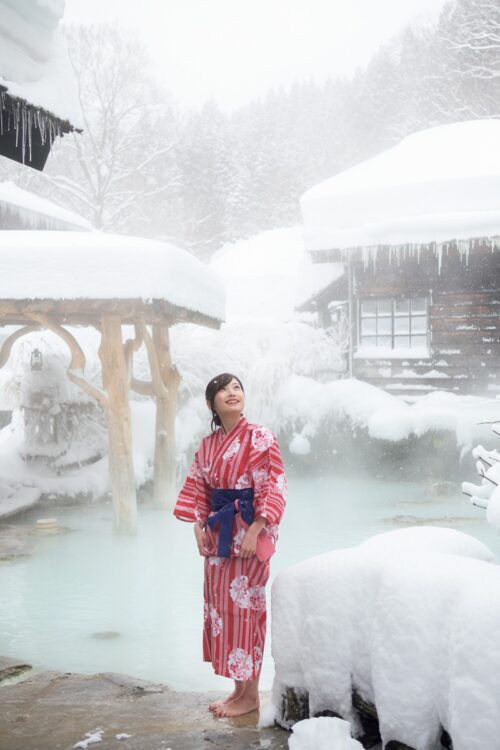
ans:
x=166 y=401
x=115 y=378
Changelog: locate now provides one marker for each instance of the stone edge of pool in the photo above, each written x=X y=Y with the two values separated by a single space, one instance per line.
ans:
x=50 y=709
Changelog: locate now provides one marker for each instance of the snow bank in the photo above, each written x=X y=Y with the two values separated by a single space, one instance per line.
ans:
x=323 y=733
x=263 y=353
x=410 y=619
x=306 y=405
x=263 y=340
x=93 y=265
x=261 y=274
x=437 y=185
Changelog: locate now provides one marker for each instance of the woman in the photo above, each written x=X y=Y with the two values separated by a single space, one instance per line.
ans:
x=235 y=494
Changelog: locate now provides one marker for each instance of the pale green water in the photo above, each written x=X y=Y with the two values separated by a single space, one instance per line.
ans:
x=148 y=588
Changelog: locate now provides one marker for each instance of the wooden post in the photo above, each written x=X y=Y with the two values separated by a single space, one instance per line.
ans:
x=166 y=401
x=115 y=379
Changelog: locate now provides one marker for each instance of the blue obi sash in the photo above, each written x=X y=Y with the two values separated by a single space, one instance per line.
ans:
x=222 y=503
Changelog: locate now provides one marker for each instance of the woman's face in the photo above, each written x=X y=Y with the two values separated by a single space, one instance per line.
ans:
x=229 y=400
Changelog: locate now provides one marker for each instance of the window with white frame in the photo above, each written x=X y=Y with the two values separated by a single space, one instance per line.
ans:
x=399 y=323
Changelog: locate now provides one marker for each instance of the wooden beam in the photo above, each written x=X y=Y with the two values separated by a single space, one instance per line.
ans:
x=77 y=364
x=115 y=377
x=9 y=342
x=89 y=311
x=166 y=404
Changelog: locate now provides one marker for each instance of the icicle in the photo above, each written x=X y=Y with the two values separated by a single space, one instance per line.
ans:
x=440 y=257
x=30 y=125
x=16 y=122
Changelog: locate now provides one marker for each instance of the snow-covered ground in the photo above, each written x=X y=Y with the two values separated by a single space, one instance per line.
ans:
x=322 y=733
x=410 y=619
x=382 y=414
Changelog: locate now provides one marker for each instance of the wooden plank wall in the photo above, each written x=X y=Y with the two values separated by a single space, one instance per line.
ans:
x=464 y=317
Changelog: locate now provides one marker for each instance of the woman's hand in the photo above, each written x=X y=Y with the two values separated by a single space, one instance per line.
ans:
x=248 y=546
x=204 y=539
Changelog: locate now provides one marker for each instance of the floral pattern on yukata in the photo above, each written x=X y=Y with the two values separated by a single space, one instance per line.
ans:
x=272 y=530
x=205 y=471
x=194 y=471
x=233 y=449
x=215 y=560
x=245 y=596
x=237 y=540
x=260 y=477
x=216 y=620
x=205 y=611
x=240 y=665
x=243 y=482
x=257 y=657
x=281 y=485
x=262 y=438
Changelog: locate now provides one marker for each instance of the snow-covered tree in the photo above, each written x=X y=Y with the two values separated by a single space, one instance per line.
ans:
x=469 y=31
x=117 y=171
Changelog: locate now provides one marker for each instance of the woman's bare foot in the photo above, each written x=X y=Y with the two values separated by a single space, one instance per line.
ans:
x=222 y=702
x=237 y=692
x=238 y=706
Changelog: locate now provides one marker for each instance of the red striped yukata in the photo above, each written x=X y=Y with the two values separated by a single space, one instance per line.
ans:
x=234 y=588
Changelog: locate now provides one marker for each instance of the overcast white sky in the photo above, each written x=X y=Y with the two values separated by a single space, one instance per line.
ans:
x=235 y=50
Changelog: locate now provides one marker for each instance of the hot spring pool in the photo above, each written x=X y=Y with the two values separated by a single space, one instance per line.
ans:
x=143 y=594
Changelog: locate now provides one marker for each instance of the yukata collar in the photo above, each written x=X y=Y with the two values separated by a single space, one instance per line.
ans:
x=226 y=440
x=242 y=422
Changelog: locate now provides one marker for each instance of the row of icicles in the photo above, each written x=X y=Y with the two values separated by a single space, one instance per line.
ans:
x=23 y=117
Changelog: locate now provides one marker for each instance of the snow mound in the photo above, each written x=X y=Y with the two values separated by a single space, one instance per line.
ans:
x=410 y=620
x=382 y=414
x=322 y=733
x=261 y=274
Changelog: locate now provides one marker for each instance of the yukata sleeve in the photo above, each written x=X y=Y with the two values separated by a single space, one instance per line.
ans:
x=193 y=502
x=268 y=476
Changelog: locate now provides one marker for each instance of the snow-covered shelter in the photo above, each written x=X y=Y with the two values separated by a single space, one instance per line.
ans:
x=52 y=280
x=418 y=231
x=21 y=209
x=38 y=97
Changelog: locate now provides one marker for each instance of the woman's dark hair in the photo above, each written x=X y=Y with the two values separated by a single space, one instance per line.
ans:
x=215 y=385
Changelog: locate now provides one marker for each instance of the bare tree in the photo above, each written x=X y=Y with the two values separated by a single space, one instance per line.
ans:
x=124 y=162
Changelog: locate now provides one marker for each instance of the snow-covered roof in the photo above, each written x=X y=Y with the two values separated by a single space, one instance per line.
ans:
x=34 y=64
x=53 y=265
x=436 y=186
x=34 y=209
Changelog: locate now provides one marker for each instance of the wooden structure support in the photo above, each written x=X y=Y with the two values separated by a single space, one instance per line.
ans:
x=151 y=321
x=115 y=378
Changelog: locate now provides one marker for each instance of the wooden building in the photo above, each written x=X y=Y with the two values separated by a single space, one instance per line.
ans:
x=38 y=96
x=418 y=231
